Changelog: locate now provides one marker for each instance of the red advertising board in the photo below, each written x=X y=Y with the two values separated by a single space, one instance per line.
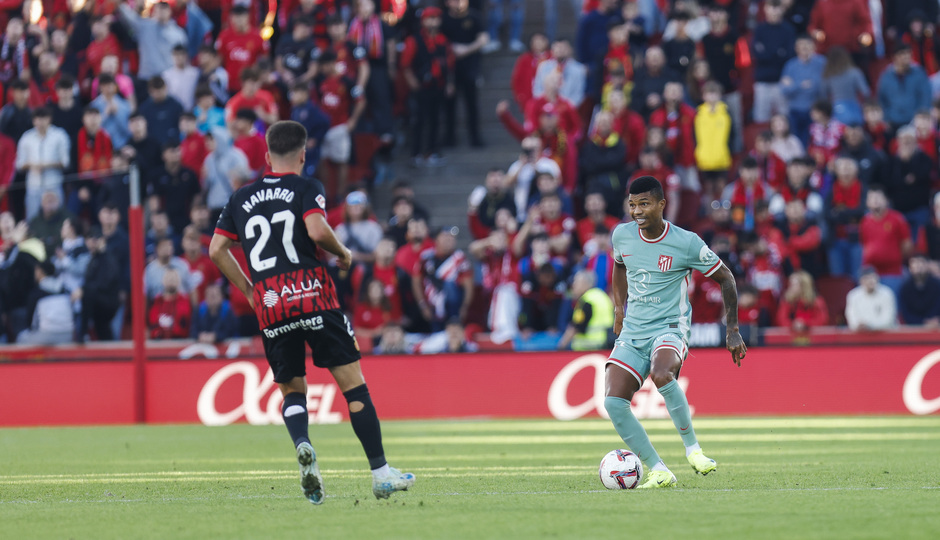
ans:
x=563 y=385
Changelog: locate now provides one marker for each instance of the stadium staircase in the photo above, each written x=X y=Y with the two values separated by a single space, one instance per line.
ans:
x=443 y=190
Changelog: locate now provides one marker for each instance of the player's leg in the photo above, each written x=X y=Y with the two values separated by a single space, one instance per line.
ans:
x=626 y=369
x=335 y=348
x=668 y=353
x=286 y=357
x=365 y=422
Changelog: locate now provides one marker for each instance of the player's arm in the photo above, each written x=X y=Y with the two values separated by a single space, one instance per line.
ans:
x=219 y=252
x=618 y=290
x=729 y=295
x=320 y=232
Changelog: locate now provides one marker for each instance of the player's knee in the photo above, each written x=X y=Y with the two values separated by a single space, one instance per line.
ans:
x=662 y=376
x=356 y=406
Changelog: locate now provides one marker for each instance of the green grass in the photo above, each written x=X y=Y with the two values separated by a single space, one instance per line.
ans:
x=860 y=477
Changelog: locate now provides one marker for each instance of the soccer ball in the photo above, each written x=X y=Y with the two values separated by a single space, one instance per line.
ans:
x=620 y=469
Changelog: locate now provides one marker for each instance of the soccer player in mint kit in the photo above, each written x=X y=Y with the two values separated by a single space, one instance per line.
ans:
x=654 y=262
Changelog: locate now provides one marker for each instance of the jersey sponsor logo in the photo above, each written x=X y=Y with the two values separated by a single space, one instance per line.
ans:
x=259 y=402
x=913 y=390
x=270 y=298
x=301 y=293
x=311 y=287
x=312 y=323
x=321 y=200
x=647 y=402
x=641 y=282
x=286 y=195
x=665 y=263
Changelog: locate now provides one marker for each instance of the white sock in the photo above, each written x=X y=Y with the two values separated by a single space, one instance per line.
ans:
x=660 y=466
x=690 y=449
x=381 y=472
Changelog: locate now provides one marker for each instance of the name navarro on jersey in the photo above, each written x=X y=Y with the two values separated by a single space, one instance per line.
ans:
x=269 y=194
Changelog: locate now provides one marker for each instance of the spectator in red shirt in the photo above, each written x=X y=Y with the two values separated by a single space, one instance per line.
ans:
x=628 y=124
x=343 y=102
x=351 y=61
x=803 y=240
x=677 y=120
x=94 y=149
x=408 y=255
x=202 y=271
x=486 y=200
x=546 y=217
x=595 y=206
x=248 y=140
x=193 y=149
x=103 y=43
x=428 y=66
x=745 y=192
x=500 y=277
x=396 y=283
x=875 y=125
x=773 y=170
x=801 y=309
x=171 y=313
x=523 y=73
x=373 y=310
x=846 y=23
x=761 y=265
x=705 y=298
x=551 y=102
x=886 y=239
x=253 y=97
x=844 y=209
x=240 y=46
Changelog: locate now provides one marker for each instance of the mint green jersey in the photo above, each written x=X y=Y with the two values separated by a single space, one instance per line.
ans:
x=658 y=275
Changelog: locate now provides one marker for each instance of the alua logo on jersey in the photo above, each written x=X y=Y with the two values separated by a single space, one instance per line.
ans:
x=665 y=263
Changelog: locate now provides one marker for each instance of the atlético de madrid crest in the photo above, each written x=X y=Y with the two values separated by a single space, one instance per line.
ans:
x=665 y=263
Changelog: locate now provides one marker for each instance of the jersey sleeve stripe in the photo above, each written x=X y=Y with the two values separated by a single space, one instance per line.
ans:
x=713 y=269
x=227 y=234
x=314 y=211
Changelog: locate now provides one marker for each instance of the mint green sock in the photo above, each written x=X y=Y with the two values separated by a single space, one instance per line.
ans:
x=678 y=407
x=630 y=430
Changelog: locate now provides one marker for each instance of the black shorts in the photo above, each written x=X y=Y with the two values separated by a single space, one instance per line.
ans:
x=329 y=335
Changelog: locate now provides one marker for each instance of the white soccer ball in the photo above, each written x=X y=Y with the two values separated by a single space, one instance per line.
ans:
x=620 y=469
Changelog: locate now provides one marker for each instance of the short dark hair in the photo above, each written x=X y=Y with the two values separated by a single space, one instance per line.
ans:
x=19 y=84
x=286 y=137
x=246 y=114
x=824 y=107
x=42 y=112
x=646 y=184
x=65 y=82
x=136 y=114
x=187 y=116
x=90 y=110
x=208 y=49
x=156 y=83
x=170 y=145
x=749 y=162
x=250 y=74
x=106 y=78
x=180 y=48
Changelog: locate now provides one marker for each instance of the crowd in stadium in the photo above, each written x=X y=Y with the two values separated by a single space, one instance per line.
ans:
x=799 y=138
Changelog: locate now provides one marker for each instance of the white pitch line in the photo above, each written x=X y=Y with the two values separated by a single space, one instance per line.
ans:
x=421 y=495
x=596 y=424
x=713 y=437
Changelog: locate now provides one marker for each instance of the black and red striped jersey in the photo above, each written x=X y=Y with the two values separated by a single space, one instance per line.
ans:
x=267 y=218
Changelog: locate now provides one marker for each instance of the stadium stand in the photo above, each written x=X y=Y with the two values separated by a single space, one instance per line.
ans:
x=495 y=168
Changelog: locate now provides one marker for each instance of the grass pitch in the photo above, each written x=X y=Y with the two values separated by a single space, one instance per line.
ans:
x=857 y=477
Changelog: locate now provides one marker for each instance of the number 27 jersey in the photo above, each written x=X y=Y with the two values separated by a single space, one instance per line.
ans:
x=267 y=217
x=658 y=275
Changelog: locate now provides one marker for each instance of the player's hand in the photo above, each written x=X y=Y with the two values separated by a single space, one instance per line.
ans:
x=736 y=346
x=618 y=320
x=345 y=260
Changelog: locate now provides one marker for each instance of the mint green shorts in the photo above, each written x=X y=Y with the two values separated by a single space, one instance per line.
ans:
x=635 y=355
